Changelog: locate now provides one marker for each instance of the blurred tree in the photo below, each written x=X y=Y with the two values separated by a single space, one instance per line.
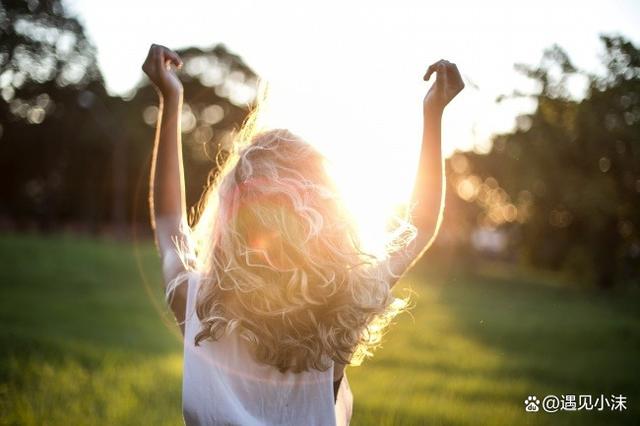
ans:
x=566 y=182
x=49 y=81
x=41 y=43
x=72 y=154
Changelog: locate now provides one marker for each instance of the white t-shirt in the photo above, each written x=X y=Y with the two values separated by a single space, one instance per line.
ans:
x=224 y=385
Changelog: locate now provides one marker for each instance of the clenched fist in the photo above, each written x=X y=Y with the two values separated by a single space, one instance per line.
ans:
x=158 y=67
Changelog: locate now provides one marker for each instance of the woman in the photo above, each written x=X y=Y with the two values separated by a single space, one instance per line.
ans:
x=271 y=290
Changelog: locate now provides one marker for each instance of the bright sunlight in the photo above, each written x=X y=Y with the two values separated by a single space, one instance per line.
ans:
x=375 y=182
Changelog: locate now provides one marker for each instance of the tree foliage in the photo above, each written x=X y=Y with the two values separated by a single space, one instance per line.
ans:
x=70 y=154
x=565 y=184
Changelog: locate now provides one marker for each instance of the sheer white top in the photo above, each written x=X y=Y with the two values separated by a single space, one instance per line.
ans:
x=224 y=385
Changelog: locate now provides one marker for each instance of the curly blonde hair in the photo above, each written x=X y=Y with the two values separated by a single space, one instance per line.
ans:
x=280 y=259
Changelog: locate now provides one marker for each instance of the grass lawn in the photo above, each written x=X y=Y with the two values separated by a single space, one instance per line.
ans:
x=85 y=339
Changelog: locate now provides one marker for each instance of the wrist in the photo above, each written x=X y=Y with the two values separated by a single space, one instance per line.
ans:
x=433 y=112
x=170 y=97
x=433 y=106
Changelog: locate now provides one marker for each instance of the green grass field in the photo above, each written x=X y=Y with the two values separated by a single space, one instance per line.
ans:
x=83 y=342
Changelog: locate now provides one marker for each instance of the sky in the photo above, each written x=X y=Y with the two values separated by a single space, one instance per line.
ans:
x=347 y=75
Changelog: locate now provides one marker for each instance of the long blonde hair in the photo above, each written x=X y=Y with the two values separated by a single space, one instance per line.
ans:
x=280 y=259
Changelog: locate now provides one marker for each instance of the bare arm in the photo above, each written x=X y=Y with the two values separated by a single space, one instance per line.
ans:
x=166 y=183
x=429 y=188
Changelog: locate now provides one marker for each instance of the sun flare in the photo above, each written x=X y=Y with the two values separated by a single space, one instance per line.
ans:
x=374 y=176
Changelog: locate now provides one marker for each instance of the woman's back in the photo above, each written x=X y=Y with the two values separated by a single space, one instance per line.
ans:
x=224 y=385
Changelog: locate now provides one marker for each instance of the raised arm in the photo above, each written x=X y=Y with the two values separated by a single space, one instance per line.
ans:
x=166 y=183
x=429 y=188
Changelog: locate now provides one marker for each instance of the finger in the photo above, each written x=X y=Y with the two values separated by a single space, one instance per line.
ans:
x=432 y=68
x=173 y=57
x=430 y=71
x=158 y=60
x=441 y=78
x=456 y=77
x=452 y=69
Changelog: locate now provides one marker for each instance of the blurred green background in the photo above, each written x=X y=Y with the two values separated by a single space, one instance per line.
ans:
x=531 y=289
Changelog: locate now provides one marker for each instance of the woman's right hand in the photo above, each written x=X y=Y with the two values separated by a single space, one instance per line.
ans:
x=447 y=85
x=158 y=67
